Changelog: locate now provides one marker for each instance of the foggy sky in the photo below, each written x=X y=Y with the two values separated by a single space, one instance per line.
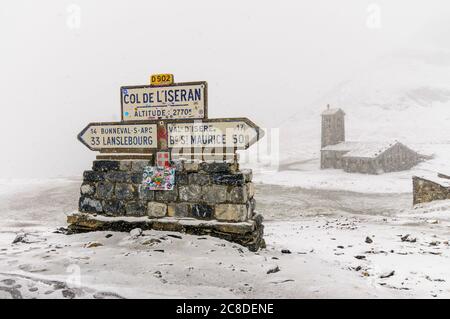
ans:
x=264 y=60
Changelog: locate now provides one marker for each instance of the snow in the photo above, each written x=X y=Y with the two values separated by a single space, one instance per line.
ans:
x=445 y=182
x=361 y=149
x=331 y=111
x=334 y=179
x=322 y=216
x=324 y=230
x=304 y=171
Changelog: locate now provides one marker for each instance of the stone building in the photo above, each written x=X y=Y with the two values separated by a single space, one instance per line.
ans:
x=360 y=157
x=431 y=188
x=333 y=126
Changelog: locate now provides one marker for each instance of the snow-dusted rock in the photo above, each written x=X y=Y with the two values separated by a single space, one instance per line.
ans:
x=136 y=232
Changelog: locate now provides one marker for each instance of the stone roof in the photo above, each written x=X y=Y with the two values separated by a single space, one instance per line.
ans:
x=444 y=182
x=332 y=111
x=361 y=149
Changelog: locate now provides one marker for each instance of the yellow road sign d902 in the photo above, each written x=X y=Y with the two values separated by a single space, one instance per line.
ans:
x=161 y=79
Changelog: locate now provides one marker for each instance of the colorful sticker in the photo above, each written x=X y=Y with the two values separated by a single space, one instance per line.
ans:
x=158 y=178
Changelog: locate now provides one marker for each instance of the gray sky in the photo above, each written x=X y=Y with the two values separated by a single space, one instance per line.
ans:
x=262 y=59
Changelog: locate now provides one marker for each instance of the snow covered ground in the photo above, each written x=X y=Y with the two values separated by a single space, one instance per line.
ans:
x=325 y=232
x=329 y=234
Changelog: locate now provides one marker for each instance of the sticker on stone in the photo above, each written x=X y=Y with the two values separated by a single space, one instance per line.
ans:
x=158 y=178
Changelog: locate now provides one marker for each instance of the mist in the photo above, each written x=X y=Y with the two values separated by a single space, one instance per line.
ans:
x=63 y=62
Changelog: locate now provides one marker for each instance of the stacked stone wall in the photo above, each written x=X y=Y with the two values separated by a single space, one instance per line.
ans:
x=215 y=199
x=202 y=190
x=425 y=190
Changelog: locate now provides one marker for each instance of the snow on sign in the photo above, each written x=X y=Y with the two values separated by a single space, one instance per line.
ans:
x=107 y=136
x=176 y=101
x=239 y=133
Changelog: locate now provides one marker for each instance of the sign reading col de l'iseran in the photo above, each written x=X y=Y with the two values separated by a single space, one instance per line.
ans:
x=177 y=101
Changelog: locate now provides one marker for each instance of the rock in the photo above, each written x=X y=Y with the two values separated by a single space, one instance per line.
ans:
x=175 y=236
x=250 y=189
x=190 y=193
x=124 y=191
x=89 y=205
x=214 y=194
x=125 y=165
x=340 y=247
x=20 y=238
x=358 y=268
x=117 y=177
x=151 y=241
x=136 y=232
x=388 y=274
x=231 y=212
x=238 y=195
x=219 y=167
x=136 y=178
x=87 y=189
x=93 y=176
x=178 y=210
x=198 y=179
x=114 y=207
x=105 y=165
x=139 y=165
x=105 y=190
x=167 y=196
x=228 y=179
x=146 y=194
x=156 y=210
x=93 y=244
x=62 y=230
x=135 y=208
x=368 y=240
x=178 y=164
x=202 y=211
x=191 y=167
x=108 y=235
x=360 y=257
x=273 y=269
x=251 y=206
x=285 y=251
x=181 y=178
x=248 y=175
x=68 y=293
x=409 y=239
x=159 y=250
x=434 y=243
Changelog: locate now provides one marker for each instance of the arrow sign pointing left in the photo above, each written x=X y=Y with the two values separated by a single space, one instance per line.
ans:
x=109 y=136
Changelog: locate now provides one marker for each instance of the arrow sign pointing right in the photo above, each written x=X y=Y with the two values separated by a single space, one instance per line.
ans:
x=238 y=133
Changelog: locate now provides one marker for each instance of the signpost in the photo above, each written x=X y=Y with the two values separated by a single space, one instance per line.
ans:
x=112 y=137
x=230 y=133
x=170 y=118
x=176 y=101
x=235 y=133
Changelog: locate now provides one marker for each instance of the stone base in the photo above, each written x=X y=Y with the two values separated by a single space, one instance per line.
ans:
x=248 y=234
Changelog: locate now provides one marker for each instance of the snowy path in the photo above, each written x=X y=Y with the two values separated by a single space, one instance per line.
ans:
x=323 y=230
